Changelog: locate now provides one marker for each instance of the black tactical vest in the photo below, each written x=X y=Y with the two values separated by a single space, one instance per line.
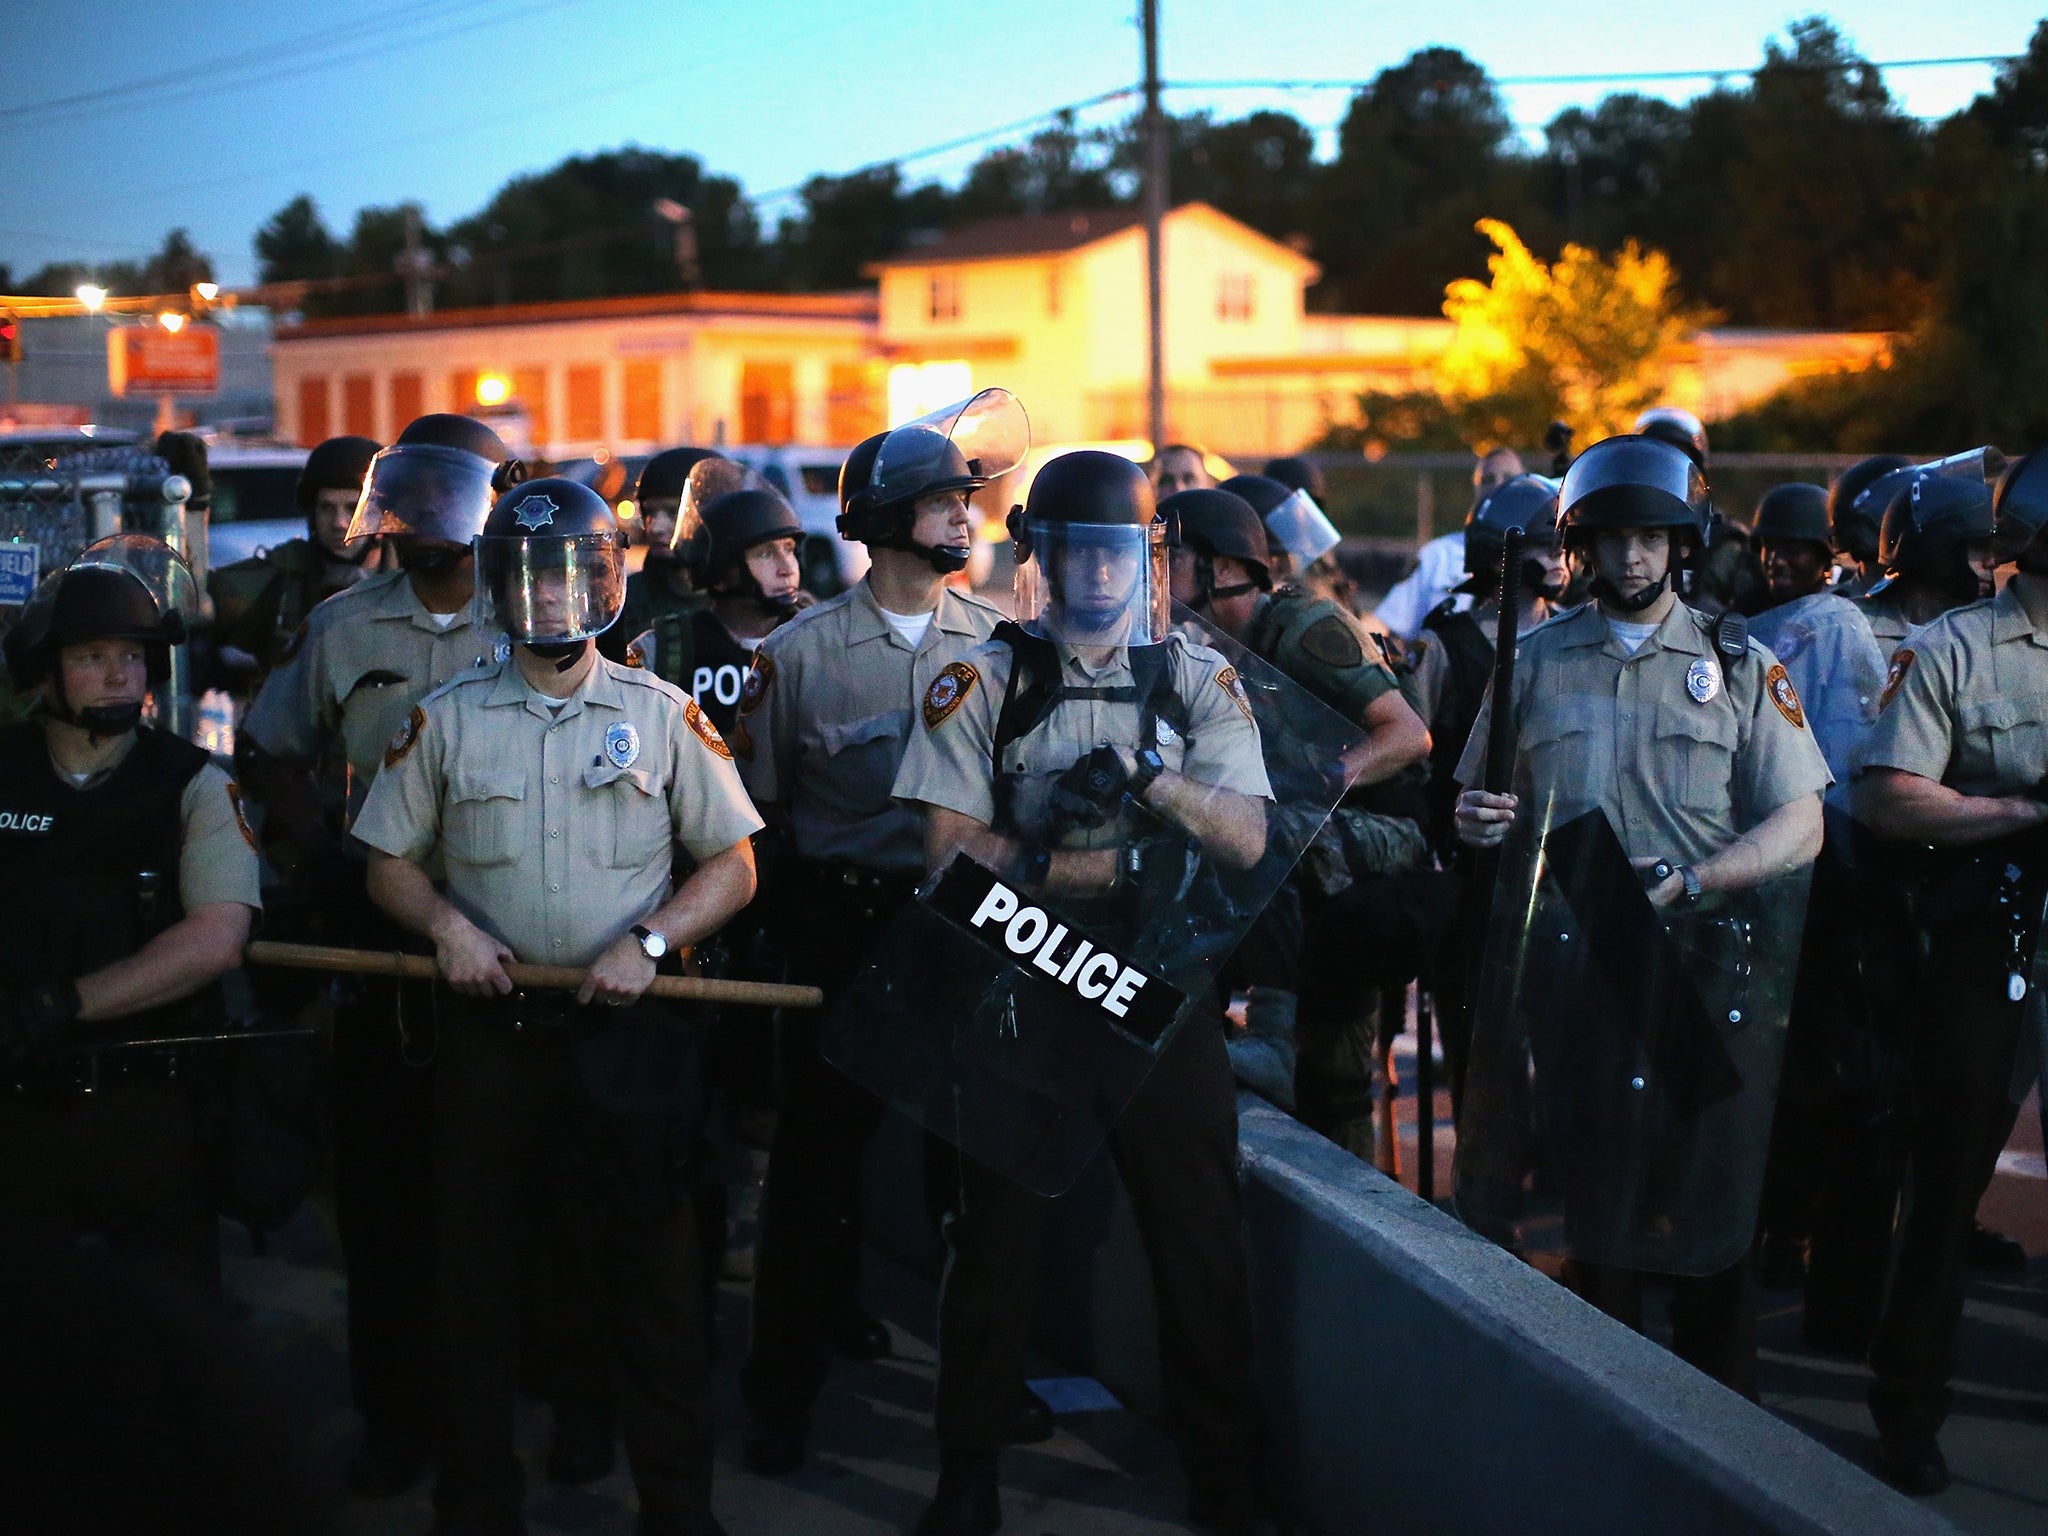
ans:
x=1468 y=658
x=697 y=653
x=91 y=875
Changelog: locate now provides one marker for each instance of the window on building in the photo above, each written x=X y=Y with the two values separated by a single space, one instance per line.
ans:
x=643 y=399
x=1234 y=296
x=586 y=402
x=530 y=389
x=359 y=405
x=945 y=296
x=853 y=408
x=408 y=400
x=767 y=402
x=315 y=424
x=462 y=389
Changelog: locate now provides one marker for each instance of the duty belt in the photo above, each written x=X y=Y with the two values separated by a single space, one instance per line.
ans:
x=839 y=877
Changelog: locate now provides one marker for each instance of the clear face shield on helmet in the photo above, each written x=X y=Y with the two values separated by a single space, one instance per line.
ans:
x=708 y=480
x=960 y=447
x=424 y=491
x=1298 y=526
x=1095 y=583
x=554 y=591
x=158 y=567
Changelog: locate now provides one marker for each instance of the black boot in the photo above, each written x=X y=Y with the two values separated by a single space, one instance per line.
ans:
x=966 y=1501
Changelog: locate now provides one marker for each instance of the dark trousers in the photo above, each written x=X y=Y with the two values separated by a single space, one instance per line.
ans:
x=1963 y=1112
x=807 y=1261
x=384 y=1043
x=571 y=1114
x=1713 y=1317
x=120 y=1166
x=1176 y=1148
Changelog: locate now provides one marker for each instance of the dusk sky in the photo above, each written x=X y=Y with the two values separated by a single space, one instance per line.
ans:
x=212 y=117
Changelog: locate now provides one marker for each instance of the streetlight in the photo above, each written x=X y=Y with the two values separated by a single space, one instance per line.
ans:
x=207 y=292
x=171 y=321
x=92 y=296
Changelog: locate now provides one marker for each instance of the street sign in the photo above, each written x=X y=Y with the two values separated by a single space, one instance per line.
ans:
x=17 y=573
x=149 y=360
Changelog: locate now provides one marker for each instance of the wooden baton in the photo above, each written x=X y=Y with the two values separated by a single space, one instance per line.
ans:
x=384 y=962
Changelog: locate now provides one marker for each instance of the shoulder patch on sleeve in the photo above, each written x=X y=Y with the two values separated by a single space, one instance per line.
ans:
x=635 y=655
x=1902 y=663
x=241 y=816
x=759 y=678
x=706 y=731
x=1778 y=684
x=405 y=738
x=948 y=692
x=1233 y=688
x=1332 y=642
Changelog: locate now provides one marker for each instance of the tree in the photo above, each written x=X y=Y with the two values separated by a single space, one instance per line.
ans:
x=1586 y=341
x=176 y=266
x=295 y=244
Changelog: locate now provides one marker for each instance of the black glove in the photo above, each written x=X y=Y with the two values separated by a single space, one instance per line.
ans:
x=31 y=1017
x=1090 y=792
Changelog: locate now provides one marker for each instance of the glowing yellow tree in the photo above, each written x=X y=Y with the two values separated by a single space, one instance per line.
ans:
x=1586 y=341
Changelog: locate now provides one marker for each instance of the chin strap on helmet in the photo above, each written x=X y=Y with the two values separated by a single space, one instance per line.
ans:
x=563 y=653
x=1605 y=591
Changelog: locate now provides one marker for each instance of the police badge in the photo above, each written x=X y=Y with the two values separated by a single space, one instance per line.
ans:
x=1702 y=679
x=536 y=512
x=621 y=745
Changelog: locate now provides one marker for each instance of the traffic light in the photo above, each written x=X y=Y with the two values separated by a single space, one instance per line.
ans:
x=10 y=337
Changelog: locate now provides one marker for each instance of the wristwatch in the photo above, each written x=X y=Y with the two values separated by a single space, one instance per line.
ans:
x=1150 y=766
x=653 y=945
x=1691 y=878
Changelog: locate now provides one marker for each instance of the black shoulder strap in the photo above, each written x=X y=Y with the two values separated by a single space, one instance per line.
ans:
x=675 y=648
x=1033 y=686
x=1731 y=635
x=1157 y=698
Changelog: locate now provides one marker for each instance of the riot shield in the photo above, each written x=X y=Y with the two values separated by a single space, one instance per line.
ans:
x=1624 y=1058
x=1018 y=1024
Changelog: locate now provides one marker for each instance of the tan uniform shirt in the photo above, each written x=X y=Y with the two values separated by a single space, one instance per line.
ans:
x=828 y=711
x=1682 y=748
x=1888 y=625
x=949 y=761
x=217 y=860
x=367 y=656
x=556 y=827
x=1966 y=703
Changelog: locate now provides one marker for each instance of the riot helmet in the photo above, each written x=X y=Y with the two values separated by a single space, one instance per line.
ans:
x=338 y=464
x=1792 y=513
x=961 y=447
x=1680 y=428
x=551 y=567
x=1855 y=510
x=1927 y=528
x=737 y=522
x=1213 y=523
x=1091 y=553
x=128 y=587
x=658 y=496
x=1294 y=523
x=1527 y=502
x=2020 y=506
x=1634 y=481
x=432 y=489
x=1297 y=474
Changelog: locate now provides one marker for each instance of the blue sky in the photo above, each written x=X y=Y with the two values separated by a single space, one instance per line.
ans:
x=214 y=116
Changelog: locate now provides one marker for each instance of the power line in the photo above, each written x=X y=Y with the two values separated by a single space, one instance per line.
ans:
x=1612 y=78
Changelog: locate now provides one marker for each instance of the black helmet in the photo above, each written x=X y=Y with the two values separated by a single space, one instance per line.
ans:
x=339 y=464
x=1527 y=502
x=961 y=447
x=185 y=454
x=1930 y=518
x=1297 y=474
x=2020 y=506
x=1299 y=532
x=550 y=564
x=735 y=522
x=1634 y=481
x=1262 y=491
x=1852 y=518
x=663 y=477
x=1092 y=504
x=1794 y=512
x=853 y=478
x=436 y=482
x=1213 y=523
x=1681 y=429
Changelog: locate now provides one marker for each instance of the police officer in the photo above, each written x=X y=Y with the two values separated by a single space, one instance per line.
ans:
x=1301 y=539
x=1853 y=520
x=133 y=878
x=1690 y=740
x=1956 y=760
x=828 y=711
x=1180 y=467
x=1439 y=564
x=743 y=545
x=259 y=603
x=1093 y=587
x=1934 y=547
x=550 y=785
x=348 y=679
x=1353 y=940
x=664 y=584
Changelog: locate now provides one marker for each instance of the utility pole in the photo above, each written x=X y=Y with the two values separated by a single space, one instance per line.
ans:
x=414 y=262
x=1155 y=213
